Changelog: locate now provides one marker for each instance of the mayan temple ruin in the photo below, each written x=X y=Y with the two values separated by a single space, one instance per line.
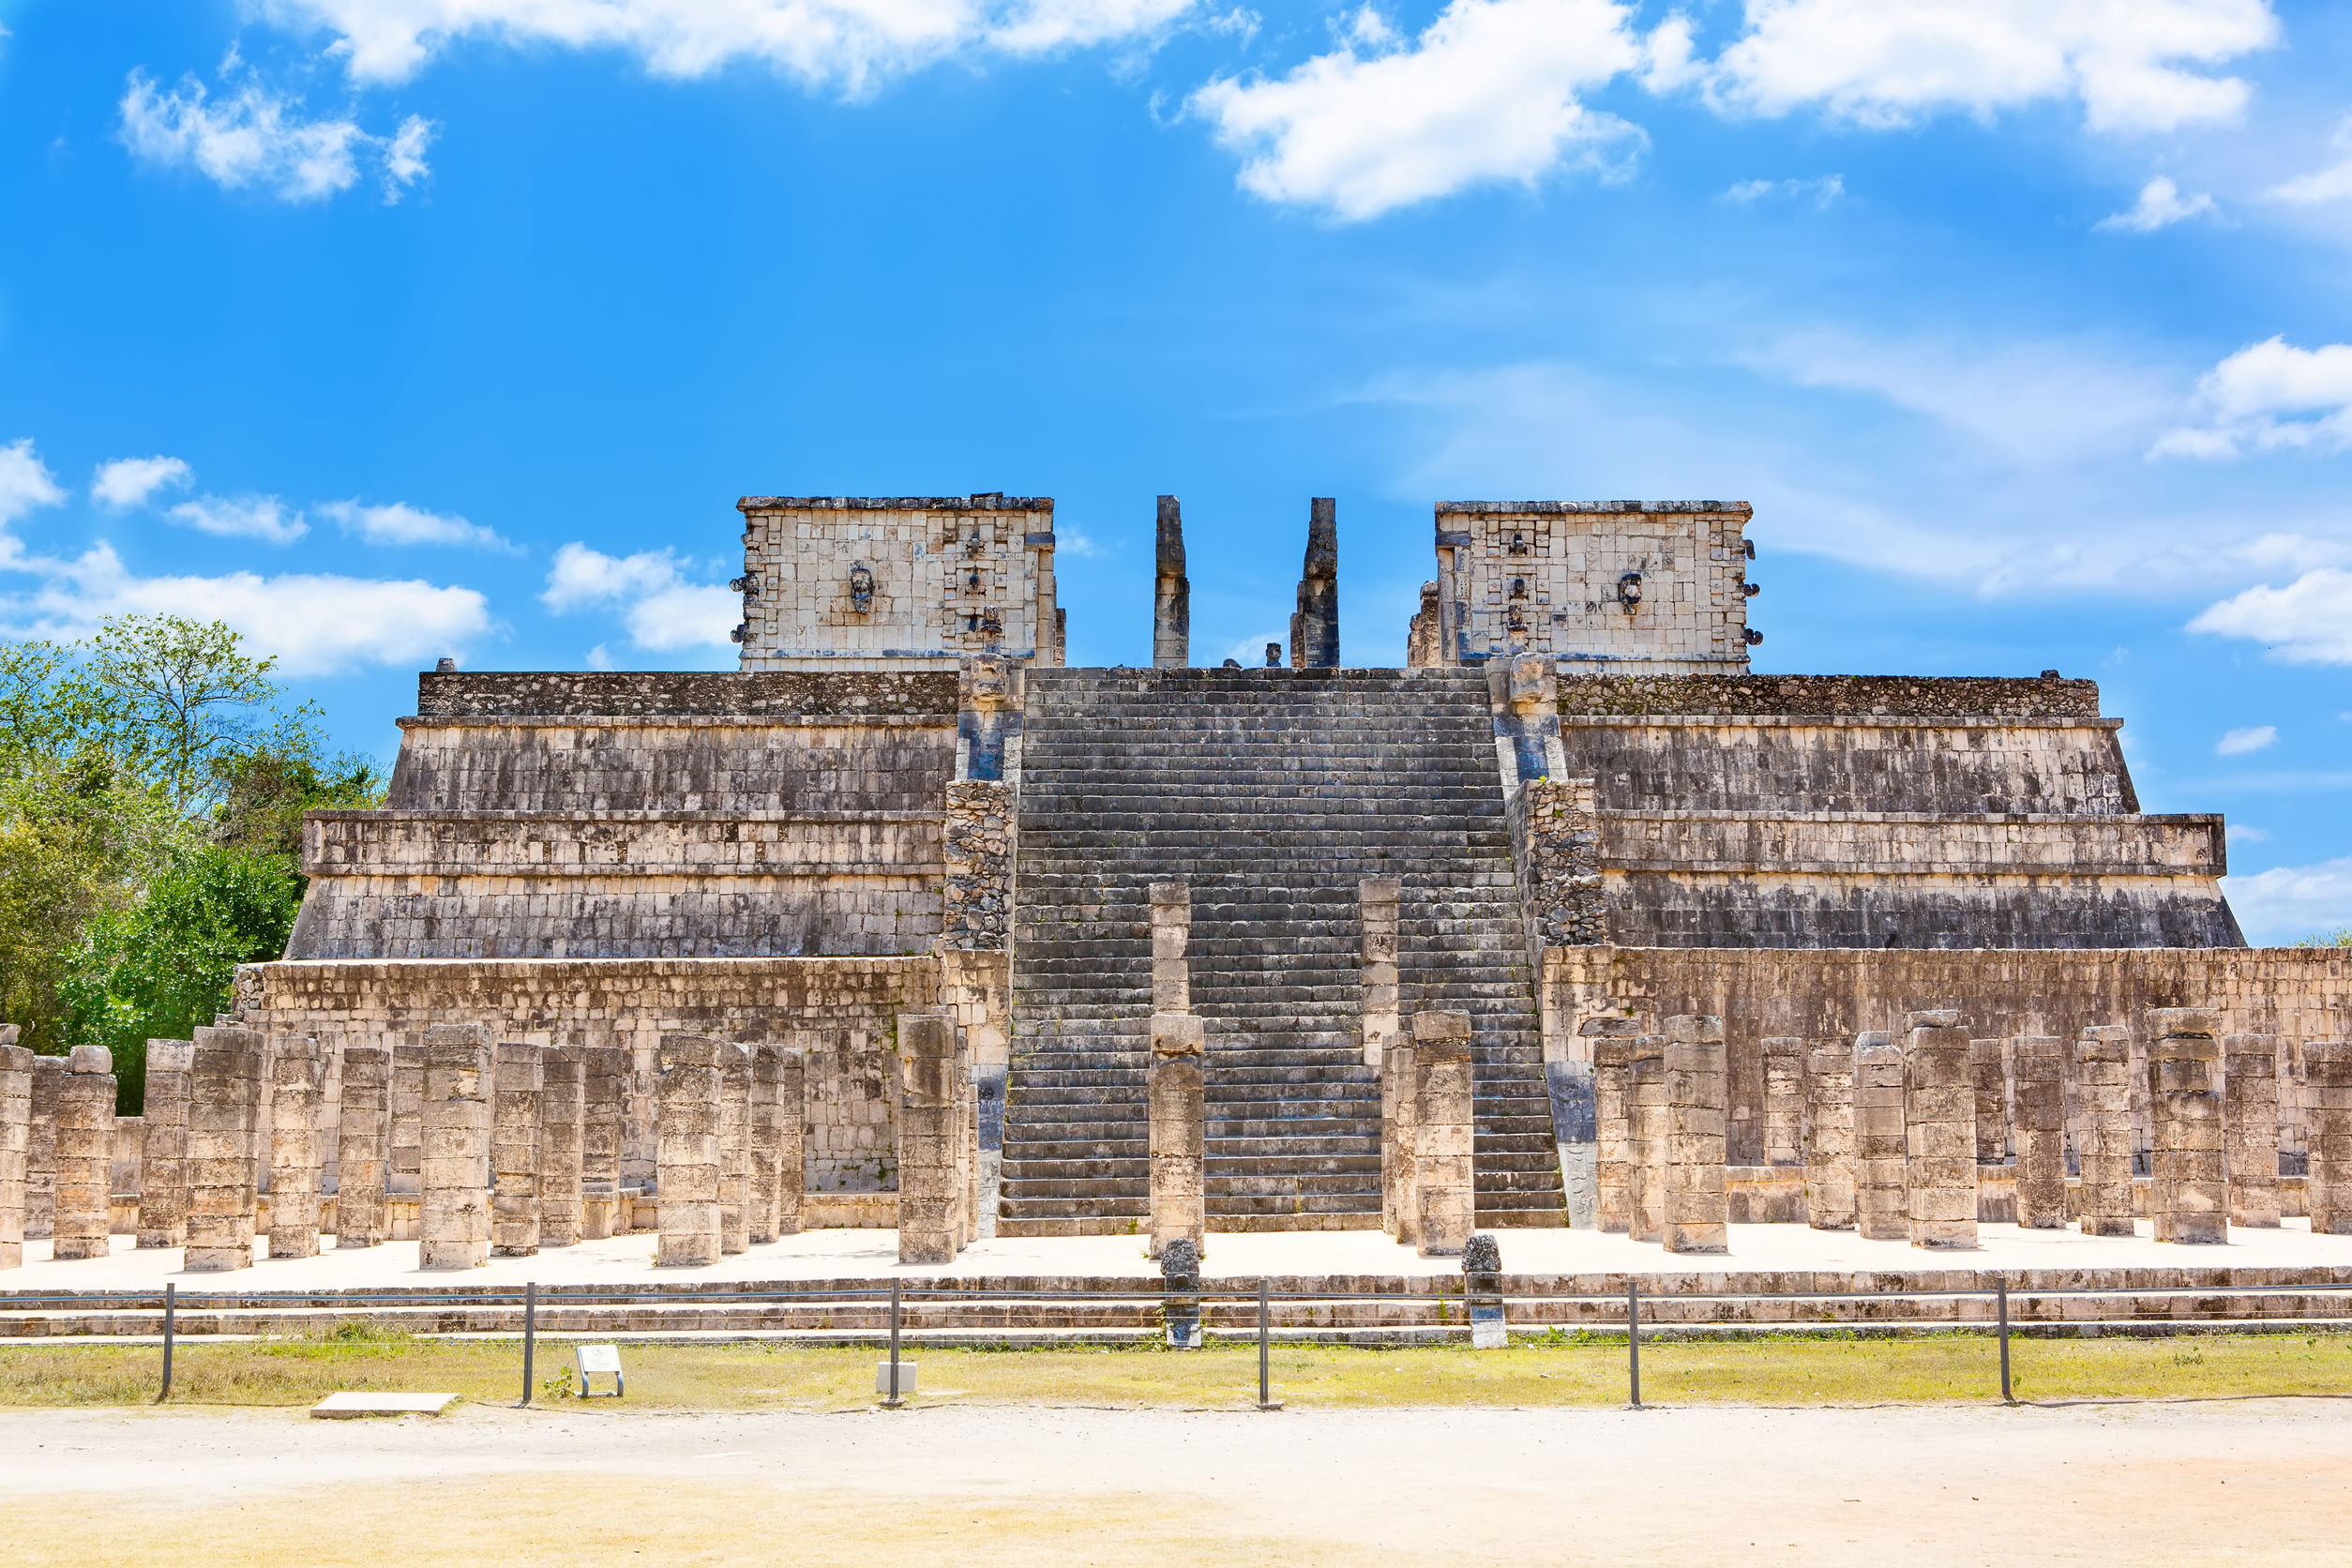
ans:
x=1572 y=922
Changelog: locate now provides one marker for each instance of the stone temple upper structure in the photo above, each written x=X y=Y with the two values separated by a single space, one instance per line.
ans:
x=1576 y=801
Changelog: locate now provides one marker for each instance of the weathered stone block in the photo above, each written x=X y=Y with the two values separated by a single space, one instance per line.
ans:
x=563 y=1108
x=2040 y=1123
x=2250 y=1089
x=454 y=1175
x=1829 y=1137
x=163 y=1156
x=1178 y=1132
x=363 y=1147
x=1443 y=1131
x=687 y=1162
x=297 y=1076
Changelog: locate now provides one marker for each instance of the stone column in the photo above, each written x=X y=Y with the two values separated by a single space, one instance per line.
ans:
x=163 y=1160
x=792 y=1134
x=406 y=1113
x=928 y=1131
x=454 y=1151
x=41 y=1151
x=1171 y=598
x=364 y=1149
x=1784 y=1100
x=2103 y=1087
x=1171 y=970
x=515 y=1152
x=1829 y=1137
x=1988 y=1075
x=224 y=1105
x=2250 y=1124
x=604 y=1076
x=1378 y=898
x=1400 y=1215
x=296 y=1078
x=2190 y=1200
x=1940 y=1131
x=85 y=1155
x=1647 y=1120
x=15 y=1126
x=759 y=1217
x=734 y=1148
x=1882 y=1208
x=2039 y=1065
x=1178 y=1133
x=2328 y=1085
x=1698 y=1208
x=561 y=1099
x=687 y=1160
x=1444 y=1089
x=1612 y=1119
x=1315 y=627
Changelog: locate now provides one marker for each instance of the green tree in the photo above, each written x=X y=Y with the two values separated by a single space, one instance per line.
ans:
x=187 y=701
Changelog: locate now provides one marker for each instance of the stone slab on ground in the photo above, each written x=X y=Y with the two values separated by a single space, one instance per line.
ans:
x=350 y=1406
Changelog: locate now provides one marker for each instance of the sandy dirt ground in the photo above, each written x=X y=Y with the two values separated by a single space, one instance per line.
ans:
x=2251 y=1481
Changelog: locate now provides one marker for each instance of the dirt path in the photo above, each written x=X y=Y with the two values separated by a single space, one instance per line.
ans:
x=2258 y=1482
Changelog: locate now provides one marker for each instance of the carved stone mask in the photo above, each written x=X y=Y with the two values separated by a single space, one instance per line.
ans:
x=861 y=588
x=991 y=681
x=1533 y=683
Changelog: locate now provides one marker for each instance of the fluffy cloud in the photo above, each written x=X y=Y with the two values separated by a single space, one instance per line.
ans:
x=2161 y=203
x=2292 y=901
x=1488 y=92
x=2138 y=66
x=2307 y=622
x=243 y=516
x=2241 y=743
x=844 y=42
x=660 y=608
x=128 y=482
x=2267 y=397
x=25 y=482
x=1819 y=194
x=399 y=524
x=259 y=140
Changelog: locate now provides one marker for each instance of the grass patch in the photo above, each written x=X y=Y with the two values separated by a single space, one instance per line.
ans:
x=1555 y=1369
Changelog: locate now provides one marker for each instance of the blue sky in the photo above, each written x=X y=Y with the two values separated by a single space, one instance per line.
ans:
x=390 y=328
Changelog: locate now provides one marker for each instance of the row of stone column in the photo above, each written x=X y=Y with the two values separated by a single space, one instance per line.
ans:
x=728 y=1161
x=1429 y=1170
x=1660 y=1112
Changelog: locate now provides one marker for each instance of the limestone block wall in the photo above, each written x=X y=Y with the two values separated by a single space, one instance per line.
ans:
x=896 y=577
x=839 y=1010
x=1637 y=585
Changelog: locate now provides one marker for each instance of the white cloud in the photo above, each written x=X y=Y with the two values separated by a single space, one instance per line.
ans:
x=399 y=524
x=243 y=516
x=2331 y=184
x=1486 y=93
x=313 y=624
x=2136 y=64
x=2307 y=622
x=2161 y=203
x=261 y=140
x=2269 y=397
x=2292 y=901
x=25 y=482
x=843 y=43
x=2239 y=742
x=660 y=608
x=2243 y=833
x=128 y=482
x=1819 y=194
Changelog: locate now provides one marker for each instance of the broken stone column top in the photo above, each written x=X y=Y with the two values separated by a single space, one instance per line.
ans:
x=2104 y=1042
x=1441 y=1031
x=90 y=1060
x=1171 y=602
x=1382 y=890
x=689 y=1050
x=1171 y=893
x=2176 y=1022
x=1609 y=1028
x=1171 y=537
x=1689 y=1029
x=1933 y=1017
x=171 y=1056
x=1177 y=1034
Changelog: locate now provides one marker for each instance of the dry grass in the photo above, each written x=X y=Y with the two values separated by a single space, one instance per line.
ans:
x=1543 y=1371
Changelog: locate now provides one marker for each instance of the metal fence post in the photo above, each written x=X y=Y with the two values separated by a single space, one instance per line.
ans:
x=1266 y=1400
x=2000 y=1300
x=893 y=1402
x=530 y=1331
x=1633 y=1338
x=171 y=1314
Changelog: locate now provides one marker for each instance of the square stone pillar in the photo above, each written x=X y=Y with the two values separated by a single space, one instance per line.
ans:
x=40 y=1149
x=1379 y=896
x=2328 y=1082
x=1784 y=1100
x=792 y=1138
x=515 y=1152
x=2190 y=1199
x=163 y=1155
x=1178 y=1133
x=767 y=1061
x=1697 y=1206
x=16 y=1128
x=1882 y=1205
x=2103 y=1090
x=363 y=1147
x=405 y=1175
x=1400 y=1215
x=224 y=1112
x=2038 y=1071
x=1171 y=927
x=605 y=1072
x=687 y=1156
x=1444 y=1130
x=1830 y=1137
x=2250 y=1128
x=967 y=1143
x=1939 y=1130
x=85 y=1155
x=454 y=1149
x=735 y=1149
x=1988 y=1075
x=929 y=1130
x=1648 y=1121
x=1612 y=1120
x=562 y=1102
x=297 y=1079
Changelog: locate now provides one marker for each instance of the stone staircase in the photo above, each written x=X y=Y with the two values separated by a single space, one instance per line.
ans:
x=1272 y=793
